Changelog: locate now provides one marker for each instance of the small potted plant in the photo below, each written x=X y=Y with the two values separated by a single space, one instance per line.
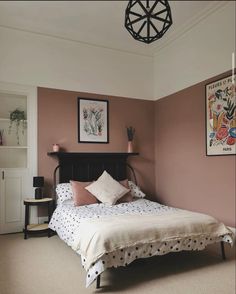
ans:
x=130 y=135
x=18 y=117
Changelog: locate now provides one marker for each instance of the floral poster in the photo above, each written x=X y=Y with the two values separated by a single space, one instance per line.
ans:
x=93 y=120
x=221 y=117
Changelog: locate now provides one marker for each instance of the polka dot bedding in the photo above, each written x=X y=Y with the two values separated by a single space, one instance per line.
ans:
x=67 y=217
x=135 y=190
x=64 y=192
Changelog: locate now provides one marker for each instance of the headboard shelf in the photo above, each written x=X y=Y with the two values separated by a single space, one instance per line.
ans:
x=88 y=166
x=81 y=154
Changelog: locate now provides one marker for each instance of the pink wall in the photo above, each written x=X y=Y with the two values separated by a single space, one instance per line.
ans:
x=185 y=176
x=170 y=137
x=57 y=123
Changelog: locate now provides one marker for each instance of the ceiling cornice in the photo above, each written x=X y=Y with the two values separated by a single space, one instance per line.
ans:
x=170 y=38
x=75 y=41
x=160 y=44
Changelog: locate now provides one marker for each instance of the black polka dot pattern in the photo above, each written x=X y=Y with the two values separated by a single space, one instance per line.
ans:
x=66 y=219
x=64 y=192
x=135 y=190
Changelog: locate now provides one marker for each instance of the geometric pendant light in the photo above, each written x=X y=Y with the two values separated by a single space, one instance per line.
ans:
x=147 y=21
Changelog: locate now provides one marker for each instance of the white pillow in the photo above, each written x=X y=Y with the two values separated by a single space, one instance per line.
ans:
x=106 y=189
x=135 y=190
x=64 y=192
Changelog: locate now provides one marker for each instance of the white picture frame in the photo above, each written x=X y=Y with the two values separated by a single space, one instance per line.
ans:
x=221 y=117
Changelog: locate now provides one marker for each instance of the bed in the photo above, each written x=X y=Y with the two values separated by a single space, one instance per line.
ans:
x=115 y=235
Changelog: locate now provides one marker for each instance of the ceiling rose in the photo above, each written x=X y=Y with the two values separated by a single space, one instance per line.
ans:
x=147 y=21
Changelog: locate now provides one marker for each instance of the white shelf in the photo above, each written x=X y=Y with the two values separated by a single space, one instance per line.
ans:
x=37 y=227
x=13 y=147
x=8 y=119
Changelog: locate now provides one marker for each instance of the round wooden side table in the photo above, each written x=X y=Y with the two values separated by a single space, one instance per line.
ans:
x=37 y=228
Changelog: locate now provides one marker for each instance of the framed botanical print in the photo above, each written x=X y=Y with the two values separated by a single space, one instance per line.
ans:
x=93 y=121
x=221 y=117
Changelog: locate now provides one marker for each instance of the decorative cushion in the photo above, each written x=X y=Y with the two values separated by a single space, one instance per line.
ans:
x=80 y=195
x=106 y=189
x=64 y=192
x=135 y=190
x=128 y=196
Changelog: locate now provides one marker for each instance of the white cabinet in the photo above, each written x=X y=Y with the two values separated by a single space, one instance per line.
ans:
x=18 y=153
x=11 y=209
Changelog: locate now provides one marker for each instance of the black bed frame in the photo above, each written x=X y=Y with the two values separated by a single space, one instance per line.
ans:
x=86 y=167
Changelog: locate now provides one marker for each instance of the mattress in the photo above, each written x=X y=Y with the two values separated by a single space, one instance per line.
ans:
x=67 y=218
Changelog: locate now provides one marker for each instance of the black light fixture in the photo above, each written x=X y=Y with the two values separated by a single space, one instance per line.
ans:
x=147 y=21
x=38 y=183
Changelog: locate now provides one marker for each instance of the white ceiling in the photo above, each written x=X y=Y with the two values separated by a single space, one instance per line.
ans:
x=99 y=23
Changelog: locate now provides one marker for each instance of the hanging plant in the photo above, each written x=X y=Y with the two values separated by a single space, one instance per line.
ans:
x=18 y=117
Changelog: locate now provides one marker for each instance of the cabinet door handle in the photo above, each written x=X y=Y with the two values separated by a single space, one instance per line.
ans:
x=3 y=176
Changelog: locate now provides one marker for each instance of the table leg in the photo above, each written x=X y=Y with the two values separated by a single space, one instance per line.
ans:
x=26 y=220
x=49 y=218
x=98 y=282
x=222 y=250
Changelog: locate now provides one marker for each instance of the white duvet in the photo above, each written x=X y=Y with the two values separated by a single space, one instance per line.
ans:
x=67 y=218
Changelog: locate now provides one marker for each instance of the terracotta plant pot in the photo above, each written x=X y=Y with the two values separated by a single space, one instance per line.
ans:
x=55 y=147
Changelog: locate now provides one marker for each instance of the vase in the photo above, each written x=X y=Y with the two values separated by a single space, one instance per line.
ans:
x=130 y=147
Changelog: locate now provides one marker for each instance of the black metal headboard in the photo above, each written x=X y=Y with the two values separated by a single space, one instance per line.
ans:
x=86 y=167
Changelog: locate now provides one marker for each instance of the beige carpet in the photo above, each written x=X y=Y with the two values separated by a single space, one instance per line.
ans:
x=42 y=265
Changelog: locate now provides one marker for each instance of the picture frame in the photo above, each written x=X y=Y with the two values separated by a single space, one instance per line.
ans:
x=220 y=109
x=93 y=120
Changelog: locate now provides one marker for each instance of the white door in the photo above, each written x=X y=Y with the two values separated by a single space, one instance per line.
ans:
x=11 y=201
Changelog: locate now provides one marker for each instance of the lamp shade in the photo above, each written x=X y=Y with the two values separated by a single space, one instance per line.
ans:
x=38 y=181
x=147 y=21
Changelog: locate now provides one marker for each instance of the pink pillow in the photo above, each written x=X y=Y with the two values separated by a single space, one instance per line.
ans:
x=80 y=195
x=127 y=197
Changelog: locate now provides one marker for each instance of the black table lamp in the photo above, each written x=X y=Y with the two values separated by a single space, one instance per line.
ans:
x=38 y=183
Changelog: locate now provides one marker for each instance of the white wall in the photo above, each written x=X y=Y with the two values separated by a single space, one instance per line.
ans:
x=201 y=53
x=33 y=59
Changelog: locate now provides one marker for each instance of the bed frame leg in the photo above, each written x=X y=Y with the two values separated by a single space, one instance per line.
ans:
x=98 y=281
x=222 y=250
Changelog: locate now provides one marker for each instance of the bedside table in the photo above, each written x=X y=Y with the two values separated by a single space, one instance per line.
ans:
x=37 y=228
